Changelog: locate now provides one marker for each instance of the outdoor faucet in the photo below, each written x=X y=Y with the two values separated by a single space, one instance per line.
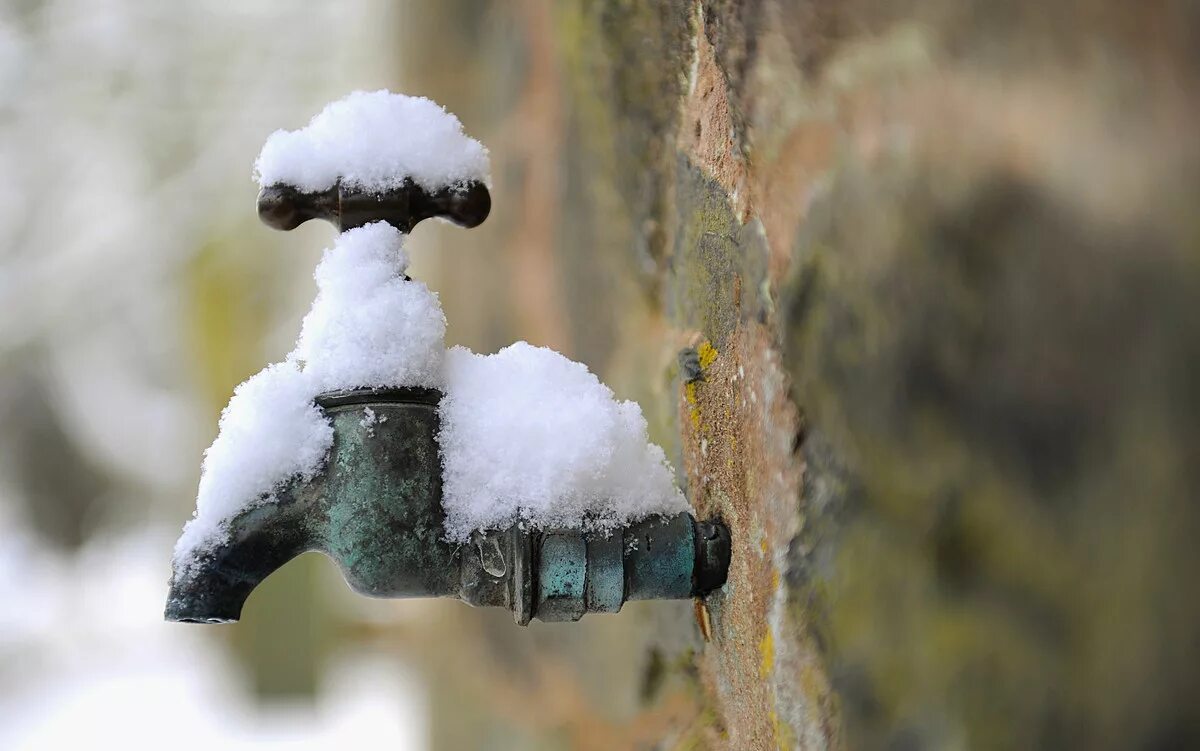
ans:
x=376 y=507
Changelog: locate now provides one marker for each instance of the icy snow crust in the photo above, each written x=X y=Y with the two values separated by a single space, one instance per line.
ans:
x=368 y=327
x=374 y=140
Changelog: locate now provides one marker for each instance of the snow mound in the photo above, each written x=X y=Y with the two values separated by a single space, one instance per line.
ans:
x=374 y=140
x=369 y=327
x=529 y=436
x=270 y=431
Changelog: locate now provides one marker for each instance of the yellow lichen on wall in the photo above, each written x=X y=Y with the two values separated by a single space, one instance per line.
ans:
x=766 y=648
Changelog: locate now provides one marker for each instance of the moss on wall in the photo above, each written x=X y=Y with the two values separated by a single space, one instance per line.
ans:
x=908 y=291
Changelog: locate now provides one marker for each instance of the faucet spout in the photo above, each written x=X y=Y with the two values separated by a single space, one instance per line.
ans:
x=214 y=586
x=375 y=510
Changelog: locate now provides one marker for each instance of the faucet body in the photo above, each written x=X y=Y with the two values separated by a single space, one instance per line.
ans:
x=376 y=510
x=376 y=507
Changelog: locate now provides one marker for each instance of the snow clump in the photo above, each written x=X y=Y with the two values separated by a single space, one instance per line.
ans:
x=374 y=140
x=368 y=327
x=529 y=436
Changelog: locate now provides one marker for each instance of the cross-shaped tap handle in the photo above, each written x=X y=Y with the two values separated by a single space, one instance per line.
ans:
x=284 y=207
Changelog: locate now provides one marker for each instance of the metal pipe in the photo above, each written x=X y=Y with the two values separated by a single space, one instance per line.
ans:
x=376 y=510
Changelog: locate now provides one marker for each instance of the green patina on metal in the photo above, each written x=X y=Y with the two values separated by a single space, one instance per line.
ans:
x=562 y=572
x=376 y=508
x=660 y=556
x=384 y=496
x=606 y=573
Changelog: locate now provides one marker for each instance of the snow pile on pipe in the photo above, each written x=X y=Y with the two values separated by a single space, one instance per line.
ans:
x=529 y=436
x=374 y=140
x=368 y=327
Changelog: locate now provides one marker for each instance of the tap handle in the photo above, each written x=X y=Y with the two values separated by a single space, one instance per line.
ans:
x=284 y=207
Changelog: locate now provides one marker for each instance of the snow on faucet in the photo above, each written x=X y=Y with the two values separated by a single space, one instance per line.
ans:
x=529 y=441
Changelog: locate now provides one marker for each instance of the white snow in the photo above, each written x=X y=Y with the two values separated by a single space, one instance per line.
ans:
x=368 y=327
x=374 y=140
x=270 y=431
x=370 y=420
x=529 y=436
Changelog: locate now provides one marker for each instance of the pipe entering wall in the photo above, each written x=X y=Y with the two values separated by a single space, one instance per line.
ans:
x=376 y=511
x=374 y=504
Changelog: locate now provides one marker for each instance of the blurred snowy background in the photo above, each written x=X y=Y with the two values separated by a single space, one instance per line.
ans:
x=137 y=287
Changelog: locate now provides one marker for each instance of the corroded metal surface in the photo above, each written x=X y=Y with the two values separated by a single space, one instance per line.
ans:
x=376 y=511
x=562 y=576
x=285 y=208
x=376 y=507
x=384 y=500
x=659 y=556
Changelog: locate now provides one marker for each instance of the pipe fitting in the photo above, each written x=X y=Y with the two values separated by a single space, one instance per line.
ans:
x=376 y=511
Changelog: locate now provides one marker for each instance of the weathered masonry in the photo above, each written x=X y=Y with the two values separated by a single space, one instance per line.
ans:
x=910 y=291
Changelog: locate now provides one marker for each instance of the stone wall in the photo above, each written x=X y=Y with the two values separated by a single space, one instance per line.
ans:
x=909 y=291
